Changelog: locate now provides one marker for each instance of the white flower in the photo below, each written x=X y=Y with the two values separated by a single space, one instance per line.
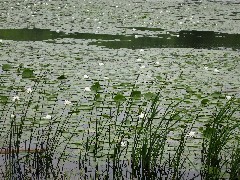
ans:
x=124 y=143
x=1 y=40
x=106 y=78
x=28 y=90
x=216 y=70
x=157 y=63
x=138 y=60
x=15 y=98
x=67 y=102
x=134 y=29
x=47 y=117
x=85 y=76
x=100 y=64
x=228 y=97
x=191 y=134
x=141 y=115
x=141 y=50
x=142 y=67
x=87 y=89
x=57 y=30
x=136 y=36
x=12 y=115
x=206 y=68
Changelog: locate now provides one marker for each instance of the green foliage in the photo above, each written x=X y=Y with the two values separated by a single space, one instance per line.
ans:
x=3 y=99
x=149 y=96
x=204 y=101
x=27 y=73
x=96 y=87
x=6 y=67
x=62 y=77
x=119 y=98
x=136 y=94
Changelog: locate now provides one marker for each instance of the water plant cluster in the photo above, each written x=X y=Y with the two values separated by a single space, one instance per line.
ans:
x=120 y=136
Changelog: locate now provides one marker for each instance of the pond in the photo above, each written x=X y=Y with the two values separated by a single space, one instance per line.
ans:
x=96 y=54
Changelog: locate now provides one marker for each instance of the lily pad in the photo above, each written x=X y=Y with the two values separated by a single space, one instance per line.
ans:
x=149 y=95
x=96 y=87
x=136 y=94
x=3 y=99
x=6 y=67
x=204 y=101
x=119 y=98
x=27 y=73
x=62 y=77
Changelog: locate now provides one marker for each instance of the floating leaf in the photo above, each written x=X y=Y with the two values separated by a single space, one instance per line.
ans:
x=3 y=99
x=96 y=87
x=149 y=95
x=27 y=73
x=62 y=77
x=97 y=96
x=136 y=94
x=119 y=98
x=159 y=78
x=204 y=101
x=6 y=67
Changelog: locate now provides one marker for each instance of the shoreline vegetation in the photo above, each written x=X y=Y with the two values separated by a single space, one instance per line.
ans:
x=132 y=143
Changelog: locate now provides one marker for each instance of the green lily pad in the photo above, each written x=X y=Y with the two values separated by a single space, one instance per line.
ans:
x=136 y=94
x=149 y=95
x=119 y=98
x=6 y=67
x=27 y=73
x=96 y=87
x=204 y=101
x=62 y=77
x=3 y=99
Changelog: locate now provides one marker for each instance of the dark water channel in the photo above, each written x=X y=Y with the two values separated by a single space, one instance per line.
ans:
x=182 y=39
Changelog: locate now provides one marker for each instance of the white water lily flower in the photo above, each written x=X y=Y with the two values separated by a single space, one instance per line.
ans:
x=157 y=62
x=87 y=89
x=101 y=64
x=106 y=78
x=15 y=98
x=228 y=97
x=216 y=70
x=191 y=134
x=67 y=102
x=136 y=36
x=141 y=50
x=1 y=41
x=47 y=117
x=142 y=67
x=141 y=115
x=12 y=115
x=57 y=30
x=138 y=60
x=124 y=143
x=206 y=68
x=28 y=90
x=85 y=76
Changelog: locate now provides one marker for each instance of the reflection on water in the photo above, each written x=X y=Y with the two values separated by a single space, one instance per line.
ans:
x=182 y=39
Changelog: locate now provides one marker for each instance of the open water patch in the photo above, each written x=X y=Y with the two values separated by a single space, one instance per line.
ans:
x=181 y=39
